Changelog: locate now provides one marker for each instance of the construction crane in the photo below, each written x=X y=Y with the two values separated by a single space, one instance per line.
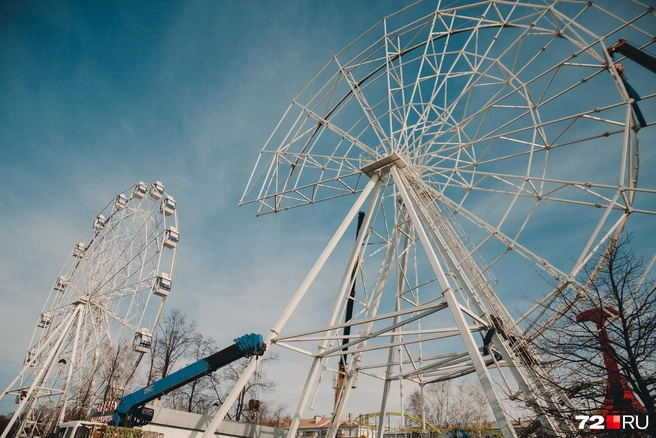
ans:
x=131 y=410
x=633 y=53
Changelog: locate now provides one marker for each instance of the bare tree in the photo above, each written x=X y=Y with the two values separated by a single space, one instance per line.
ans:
x=448 y=405
x=197 y=395
x=176 y=344
x=4 y=421
x=79 y=406
x=435 y=402
x=152 y=360
x=175 y=337
x=115 y=370
x=470 y=406
x=273 y=415
x=258 y=385
x=605 y=343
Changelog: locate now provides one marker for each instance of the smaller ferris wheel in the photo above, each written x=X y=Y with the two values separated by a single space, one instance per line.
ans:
x=101 y=311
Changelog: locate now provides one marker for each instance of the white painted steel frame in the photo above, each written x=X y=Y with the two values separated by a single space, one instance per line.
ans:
x=417 y=91
x=108 y=296
x=44 y=369
x=456 y=311
x=520 y=185
x=373 y=185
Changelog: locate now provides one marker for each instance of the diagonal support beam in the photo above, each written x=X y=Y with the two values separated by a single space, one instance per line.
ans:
x=373 y=185
x=477 y=360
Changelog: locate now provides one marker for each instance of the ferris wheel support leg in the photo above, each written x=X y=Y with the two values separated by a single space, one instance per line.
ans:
x=339 y=299
x=26 y=367
x=475 y=355
x=365 y=333
x=39 y=390
x=46 y=378
x=538 y=401
x=309 y=279
x=42 y=372
x=479 y=365
x=395 y=338
x=69 y=374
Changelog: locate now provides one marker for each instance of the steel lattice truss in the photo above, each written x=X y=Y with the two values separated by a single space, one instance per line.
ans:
x=494 y=136
x=481 y=97
x=103 y=296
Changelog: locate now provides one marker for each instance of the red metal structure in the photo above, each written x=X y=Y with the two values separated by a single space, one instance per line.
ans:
x=619 y=398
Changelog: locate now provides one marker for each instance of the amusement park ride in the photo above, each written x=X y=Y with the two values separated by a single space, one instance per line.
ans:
x=110 y=292
x=131 y=409
x=473 y=137
x=492 y=135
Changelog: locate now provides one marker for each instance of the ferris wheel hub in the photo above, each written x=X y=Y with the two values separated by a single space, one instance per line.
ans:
x=382 y=164
x=81 y=300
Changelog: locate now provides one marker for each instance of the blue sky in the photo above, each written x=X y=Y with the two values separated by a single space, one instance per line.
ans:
x=96 y=97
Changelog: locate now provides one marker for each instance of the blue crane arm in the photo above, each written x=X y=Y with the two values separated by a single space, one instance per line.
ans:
x=127 y=411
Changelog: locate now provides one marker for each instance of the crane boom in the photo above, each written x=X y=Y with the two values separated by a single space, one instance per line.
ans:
x=130 y=411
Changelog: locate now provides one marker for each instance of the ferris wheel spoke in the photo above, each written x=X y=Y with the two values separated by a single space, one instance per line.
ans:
x=528 y=151
x=516 y=185
x=510 y=243
x=441 y=86
x=624 y=23
x=123 y=252
x=355 y=87
x=416 y=88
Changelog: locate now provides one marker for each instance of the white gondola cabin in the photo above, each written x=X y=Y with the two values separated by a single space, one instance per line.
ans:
x=156 y=190
x=60 y=284
x=171 y=237
x=140 y=190
x=99 y=222
x=121 y=202
x=44 y=320
x=79 y=250
x=162 y=285
x=168 y=206
x=142 y=341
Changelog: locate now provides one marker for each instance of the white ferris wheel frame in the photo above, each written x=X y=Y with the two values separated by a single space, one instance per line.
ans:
x=408 y=143
x=111 y=292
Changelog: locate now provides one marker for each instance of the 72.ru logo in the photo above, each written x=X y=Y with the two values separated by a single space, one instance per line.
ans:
x=613 y=422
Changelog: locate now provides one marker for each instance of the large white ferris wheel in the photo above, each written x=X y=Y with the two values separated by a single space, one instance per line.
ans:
x=494 y=147
x=101 y=312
